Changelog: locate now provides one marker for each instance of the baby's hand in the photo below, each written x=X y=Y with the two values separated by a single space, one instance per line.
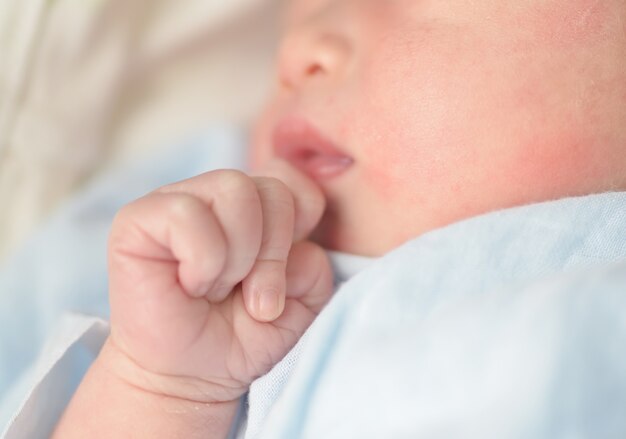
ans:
x=211 y=282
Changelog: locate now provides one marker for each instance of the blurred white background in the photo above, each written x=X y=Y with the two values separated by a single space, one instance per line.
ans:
x=86 y=85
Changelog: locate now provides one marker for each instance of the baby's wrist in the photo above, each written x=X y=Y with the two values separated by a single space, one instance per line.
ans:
x=125 y=409
x=183 y=388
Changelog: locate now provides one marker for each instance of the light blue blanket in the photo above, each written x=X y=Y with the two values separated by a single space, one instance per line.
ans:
x=508 y=325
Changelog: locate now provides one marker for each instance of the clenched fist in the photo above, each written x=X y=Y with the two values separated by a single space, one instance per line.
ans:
x=212 y=281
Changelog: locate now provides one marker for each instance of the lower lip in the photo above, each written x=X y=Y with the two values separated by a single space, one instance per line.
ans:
x=302 y=146
x=320 y=165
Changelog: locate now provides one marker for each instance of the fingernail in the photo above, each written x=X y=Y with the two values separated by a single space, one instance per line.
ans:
x=268 y=305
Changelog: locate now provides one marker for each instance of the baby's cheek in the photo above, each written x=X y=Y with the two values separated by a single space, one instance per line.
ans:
x=381 y=173
x=415 y=185
x=434 y=189
x=393 y=171
x=558 y=166
x=568 y=22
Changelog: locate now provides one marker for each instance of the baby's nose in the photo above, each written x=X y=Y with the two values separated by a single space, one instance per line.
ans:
x=309 y=52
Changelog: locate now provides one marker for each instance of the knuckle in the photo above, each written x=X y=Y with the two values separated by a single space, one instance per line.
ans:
x=232 y=180
x=181 y=205
x=274 y=251
x=237 y=190
x=276 y=191
x=123 y=225
x=120 y=216
x=126 y=214
x=272 y=183
x=169 y=206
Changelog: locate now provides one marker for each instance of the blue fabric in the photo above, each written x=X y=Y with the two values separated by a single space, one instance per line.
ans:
x=512 y=324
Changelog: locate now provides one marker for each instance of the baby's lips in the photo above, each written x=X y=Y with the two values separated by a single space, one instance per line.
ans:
x=296 y=141
x=320 y=166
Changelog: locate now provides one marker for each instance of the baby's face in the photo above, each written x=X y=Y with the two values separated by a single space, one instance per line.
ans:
x=431 y=111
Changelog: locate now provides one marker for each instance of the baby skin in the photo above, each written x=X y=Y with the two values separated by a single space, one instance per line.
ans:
x=390 y=118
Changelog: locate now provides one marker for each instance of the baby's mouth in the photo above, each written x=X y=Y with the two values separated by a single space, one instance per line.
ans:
x=304 y=147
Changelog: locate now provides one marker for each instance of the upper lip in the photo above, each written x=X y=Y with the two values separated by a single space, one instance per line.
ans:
x=297 y=141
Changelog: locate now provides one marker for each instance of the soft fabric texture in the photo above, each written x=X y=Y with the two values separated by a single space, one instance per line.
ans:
x=512 y=324
x=91 y=84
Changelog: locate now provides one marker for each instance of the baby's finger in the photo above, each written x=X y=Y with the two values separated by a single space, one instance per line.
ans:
x=264 y=287
x=309 y=201
x=309 y=287
x=235 y=201
x=309 y=276
x=159 y=243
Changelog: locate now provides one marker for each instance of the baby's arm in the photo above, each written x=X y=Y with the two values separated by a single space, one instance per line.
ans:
x=211 y=284
x=108 y=406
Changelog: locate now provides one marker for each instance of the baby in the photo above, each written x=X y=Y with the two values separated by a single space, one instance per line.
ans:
x=391 y=118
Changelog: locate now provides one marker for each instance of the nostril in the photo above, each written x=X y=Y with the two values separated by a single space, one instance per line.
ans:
x=314 y=70
x=290 y=81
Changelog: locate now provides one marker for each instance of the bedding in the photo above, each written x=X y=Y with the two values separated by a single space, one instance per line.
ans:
x=89 y=85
